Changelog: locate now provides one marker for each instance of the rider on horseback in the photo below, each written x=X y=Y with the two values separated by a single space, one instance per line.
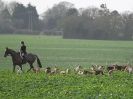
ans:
x=23 y=51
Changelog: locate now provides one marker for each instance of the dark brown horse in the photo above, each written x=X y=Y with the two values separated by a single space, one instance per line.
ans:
x=17 y=60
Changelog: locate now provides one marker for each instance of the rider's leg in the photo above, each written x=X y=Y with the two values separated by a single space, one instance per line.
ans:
x=21 y=55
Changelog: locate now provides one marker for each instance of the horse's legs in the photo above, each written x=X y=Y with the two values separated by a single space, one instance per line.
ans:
x=14 y=68
x=21 y=68
x=31 y=67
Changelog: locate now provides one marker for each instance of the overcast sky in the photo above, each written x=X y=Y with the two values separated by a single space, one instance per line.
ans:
x=43 y=5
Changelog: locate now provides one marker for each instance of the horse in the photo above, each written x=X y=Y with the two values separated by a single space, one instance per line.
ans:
x=17 y=59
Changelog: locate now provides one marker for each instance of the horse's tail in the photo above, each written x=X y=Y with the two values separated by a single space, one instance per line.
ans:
x=39 y=62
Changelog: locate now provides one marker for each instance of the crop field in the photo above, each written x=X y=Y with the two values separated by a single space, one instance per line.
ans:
x=66 y=53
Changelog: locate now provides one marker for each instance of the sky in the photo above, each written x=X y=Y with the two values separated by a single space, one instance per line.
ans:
x=43 y=5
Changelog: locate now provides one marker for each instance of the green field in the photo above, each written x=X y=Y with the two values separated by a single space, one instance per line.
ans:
x=66 y=53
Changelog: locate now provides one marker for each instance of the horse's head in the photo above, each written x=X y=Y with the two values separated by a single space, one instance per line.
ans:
x=7 y=52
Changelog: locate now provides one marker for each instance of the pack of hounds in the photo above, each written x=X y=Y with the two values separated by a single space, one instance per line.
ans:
x=93 y=70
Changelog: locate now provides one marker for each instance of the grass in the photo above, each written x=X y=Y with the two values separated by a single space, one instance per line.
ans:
x=66 y=53
x=42 y=86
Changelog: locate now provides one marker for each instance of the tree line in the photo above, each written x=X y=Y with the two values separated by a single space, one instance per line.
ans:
x=66 y=20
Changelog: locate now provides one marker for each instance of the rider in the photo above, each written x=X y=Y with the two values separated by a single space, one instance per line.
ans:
x=23 y=51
